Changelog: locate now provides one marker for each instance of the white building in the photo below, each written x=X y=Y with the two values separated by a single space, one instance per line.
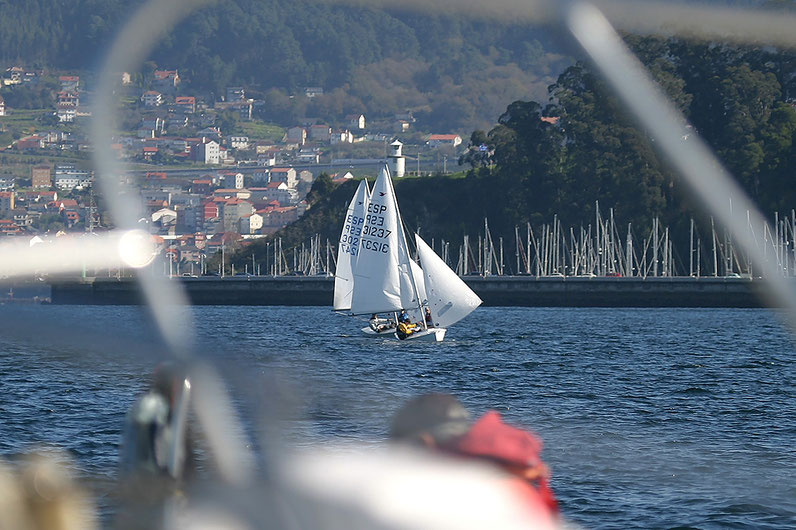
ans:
x=152 y=98
x=206 y=151
x=250 y=224
x=341 y=137
x=396 y=161
x=231 y=179
x=67 y=177
x=239 y=142
x=437 y=140
x=266 y=160
x=356 y=121
x=66 y=114
x=284 y=174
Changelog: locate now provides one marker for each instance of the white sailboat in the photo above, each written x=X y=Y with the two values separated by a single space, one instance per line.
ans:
x=387 y=280
x=348 y=247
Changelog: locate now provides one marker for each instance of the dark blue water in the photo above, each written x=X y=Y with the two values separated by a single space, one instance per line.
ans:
x=652 y=418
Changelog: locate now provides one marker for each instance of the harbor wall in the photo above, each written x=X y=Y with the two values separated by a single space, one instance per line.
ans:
x=525 y=291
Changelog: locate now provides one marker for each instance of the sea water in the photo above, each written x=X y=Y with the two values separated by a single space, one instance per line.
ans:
x=651 y=418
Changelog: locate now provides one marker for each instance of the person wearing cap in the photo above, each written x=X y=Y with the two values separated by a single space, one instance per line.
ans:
x=431 y=420
x=441 y=423
x=515 y=451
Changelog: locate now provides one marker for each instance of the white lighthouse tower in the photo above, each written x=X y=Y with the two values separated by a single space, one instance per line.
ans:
x=396 y=161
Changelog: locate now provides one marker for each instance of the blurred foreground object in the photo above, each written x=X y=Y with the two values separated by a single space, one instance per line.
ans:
x=516 y=451
x=43 y=496
x=440 y=421
x=76 y=254
x=397 y=488
x=155 y=439
x=432 y=420
x=156 y=452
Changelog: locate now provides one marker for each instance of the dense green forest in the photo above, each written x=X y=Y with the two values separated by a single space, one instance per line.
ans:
x=455 y=73
x=740 y=100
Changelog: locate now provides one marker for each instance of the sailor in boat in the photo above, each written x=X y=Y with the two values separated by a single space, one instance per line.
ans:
x=429 y=320
x=405 y=326
x=380 y=325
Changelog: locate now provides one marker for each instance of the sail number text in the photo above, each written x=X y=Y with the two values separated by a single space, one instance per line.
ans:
x=376 y=246
x=374 y=227
x=375 y=231
x=353 y=225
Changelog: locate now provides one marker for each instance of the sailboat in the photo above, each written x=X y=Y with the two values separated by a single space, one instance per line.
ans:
x=348 y=247
x=384 y=278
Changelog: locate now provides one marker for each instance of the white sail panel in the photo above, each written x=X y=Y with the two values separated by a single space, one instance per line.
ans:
x=348 y=247
x=449 y=298
x=420 y=283
x=377 y=277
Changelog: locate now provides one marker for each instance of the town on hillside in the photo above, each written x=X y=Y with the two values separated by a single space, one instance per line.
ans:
x=211 y=173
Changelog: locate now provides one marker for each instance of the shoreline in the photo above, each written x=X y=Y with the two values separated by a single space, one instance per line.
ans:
x=509 y=291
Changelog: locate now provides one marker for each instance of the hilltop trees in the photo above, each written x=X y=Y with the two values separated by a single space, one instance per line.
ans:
x=456 y=73
x=732 y=96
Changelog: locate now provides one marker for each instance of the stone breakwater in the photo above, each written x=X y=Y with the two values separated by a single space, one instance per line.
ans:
x=522 y=291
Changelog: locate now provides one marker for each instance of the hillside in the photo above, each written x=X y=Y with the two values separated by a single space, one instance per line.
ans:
x=740 y=100
x=456 y=74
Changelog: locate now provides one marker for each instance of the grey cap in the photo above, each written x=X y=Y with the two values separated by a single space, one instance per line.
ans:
x=441 y=416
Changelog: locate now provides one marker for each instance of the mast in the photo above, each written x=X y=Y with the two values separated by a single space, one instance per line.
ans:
x=655 y=246
x=528 y=249
x=402 y=242
x=629 y=253
x=793 y=235
x=517 y=246
x=465 y=262
x=691 y=251
x=500 y=240
x=715 y=258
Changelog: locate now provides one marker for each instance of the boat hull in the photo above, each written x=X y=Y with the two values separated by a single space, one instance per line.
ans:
x=367 y=330
x=430 y=335
x=427 y=335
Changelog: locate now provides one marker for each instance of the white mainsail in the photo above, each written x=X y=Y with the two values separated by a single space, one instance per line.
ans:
x=377 y=274
x=348 y=247
x=410 y=300
x=449 y=298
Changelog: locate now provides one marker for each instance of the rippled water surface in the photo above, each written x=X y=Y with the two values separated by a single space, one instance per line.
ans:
x=652 y=418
